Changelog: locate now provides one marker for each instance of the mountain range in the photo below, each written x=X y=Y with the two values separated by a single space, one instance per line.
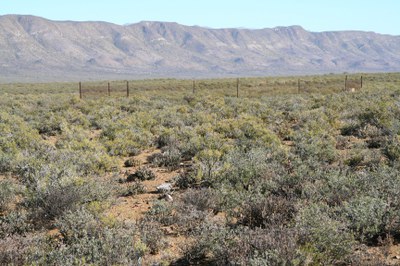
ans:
x=37 y=49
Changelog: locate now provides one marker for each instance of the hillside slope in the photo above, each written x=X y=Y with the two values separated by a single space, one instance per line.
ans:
x=33 y=48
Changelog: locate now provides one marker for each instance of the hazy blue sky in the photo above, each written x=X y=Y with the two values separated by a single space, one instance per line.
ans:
x=381 y=16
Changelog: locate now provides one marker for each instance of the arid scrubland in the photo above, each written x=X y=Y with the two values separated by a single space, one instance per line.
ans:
x=275 y=177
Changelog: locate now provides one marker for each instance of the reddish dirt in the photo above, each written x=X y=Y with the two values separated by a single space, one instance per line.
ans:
x=394 y=255
x=134 y=208
x=387 y=255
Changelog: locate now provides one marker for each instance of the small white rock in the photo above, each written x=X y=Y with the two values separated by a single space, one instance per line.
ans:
x=164 y=188
x=168 y=198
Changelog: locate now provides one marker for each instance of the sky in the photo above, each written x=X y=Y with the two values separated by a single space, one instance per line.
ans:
x=381 y=16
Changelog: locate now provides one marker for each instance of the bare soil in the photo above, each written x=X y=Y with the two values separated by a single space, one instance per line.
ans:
x=134 y=208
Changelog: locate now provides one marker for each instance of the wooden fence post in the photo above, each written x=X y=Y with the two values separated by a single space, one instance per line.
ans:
x=127 y=89
x=237 y=87
x=345 y=83
x=80 y=90
x=194 y=86
x=361 y=81
x=108 y=89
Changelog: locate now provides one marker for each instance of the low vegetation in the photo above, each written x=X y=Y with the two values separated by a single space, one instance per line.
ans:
x=275 y=177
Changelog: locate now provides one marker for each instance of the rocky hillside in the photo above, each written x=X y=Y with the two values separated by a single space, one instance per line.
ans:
x=37 y=49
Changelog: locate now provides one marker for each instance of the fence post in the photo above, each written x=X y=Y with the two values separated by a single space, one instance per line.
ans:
x=194 y=86
x=345 y=83
x=80 y=90
x=127 y=89
x=108 y=89
x=237 y=87
x=361 y=81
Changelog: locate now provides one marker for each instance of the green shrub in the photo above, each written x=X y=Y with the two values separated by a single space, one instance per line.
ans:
x=162 y=212
x=246 y=167
x=142 y=174
x=350 y=129
x=47 y=162
x=6 y=162
x=131 y=162
x=51 y=201
x=50 y=124
x=209 y=163
x=170 y=158
x=202 y=199
x=321 y=147
x=7 y=194
x=323 y=240
x=122 y=147
x=135 y=188
x=167 y=137
x=378 y=115
x=333 y=187
x=14 y=223
x=247 y=128
x=95 y=190
x=216 y=245
x=126 y=137
x=364 y=158
x=315 y=139
x=15 y=249
x=392 y=149
x=85 y=240
x=367 y=217
x=356 y=159
x=261 y=211
x=152 y=236
x=186 y=179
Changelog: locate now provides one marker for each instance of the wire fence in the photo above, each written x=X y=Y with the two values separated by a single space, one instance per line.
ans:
x=119 y=89
x=239 y=87
x=231 y=87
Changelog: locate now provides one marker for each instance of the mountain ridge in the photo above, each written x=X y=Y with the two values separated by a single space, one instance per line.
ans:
x=37 y=49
